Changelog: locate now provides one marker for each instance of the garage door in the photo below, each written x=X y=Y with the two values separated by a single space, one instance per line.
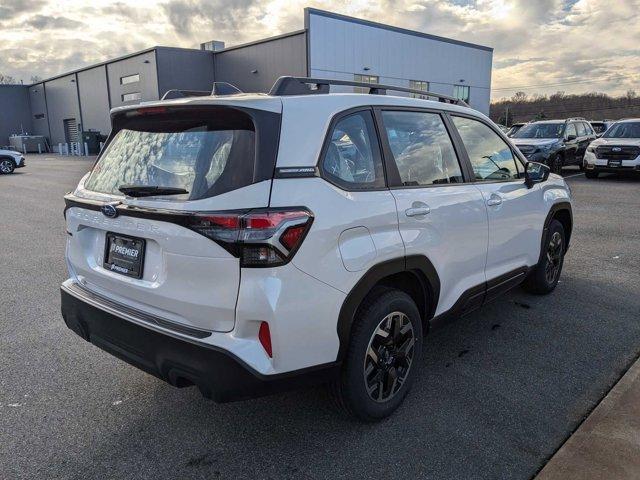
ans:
x=70 y=130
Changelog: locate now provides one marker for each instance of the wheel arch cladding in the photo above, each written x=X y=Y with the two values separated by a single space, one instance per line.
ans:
x=415 y=275
x=561 y=212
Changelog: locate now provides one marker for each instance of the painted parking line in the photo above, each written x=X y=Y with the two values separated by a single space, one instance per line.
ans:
x=574 y=175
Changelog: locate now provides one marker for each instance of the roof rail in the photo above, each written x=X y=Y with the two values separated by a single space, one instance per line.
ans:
x=575 y=118
x=170 y=94
x=224 y=88
x=285 y=86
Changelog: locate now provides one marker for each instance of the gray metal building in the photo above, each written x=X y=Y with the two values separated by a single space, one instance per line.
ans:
x=330 y=46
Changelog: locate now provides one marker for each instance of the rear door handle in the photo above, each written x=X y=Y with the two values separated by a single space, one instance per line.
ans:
x=494 y=200
x=417 y=211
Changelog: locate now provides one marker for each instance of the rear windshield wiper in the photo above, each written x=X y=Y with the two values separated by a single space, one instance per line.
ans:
x=150 y=190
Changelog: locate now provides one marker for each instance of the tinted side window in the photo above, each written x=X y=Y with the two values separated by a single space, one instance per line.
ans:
x=490 y=156
x=352 y=158
x=582 y=132
x=588 y=128
x=571 y=130
x=421 y=148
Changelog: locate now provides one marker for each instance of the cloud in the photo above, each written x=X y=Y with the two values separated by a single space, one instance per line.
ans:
x=189 y=16
x=10 y=9
x=538 y=43
x=45 y=22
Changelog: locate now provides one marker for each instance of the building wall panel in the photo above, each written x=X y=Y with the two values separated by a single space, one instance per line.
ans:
x=143 y=65
x=340 y=48
x=39 y=114
x=16 y=113
x=62 y=104
x=94 y=99
x=269 y=60
x=184 y=69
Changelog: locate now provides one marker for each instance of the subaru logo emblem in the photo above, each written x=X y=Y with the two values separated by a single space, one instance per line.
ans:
x=616 y=149
x=109 y=210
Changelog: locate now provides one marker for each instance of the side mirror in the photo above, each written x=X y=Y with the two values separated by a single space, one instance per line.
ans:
x=571 y=137
x=535 y=172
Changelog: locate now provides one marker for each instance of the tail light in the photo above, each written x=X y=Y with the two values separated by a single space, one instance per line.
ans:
x=260 y=238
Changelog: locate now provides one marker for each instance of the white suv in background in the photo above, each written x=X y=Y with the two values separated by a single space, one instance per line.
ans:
x=10 y=160
x=617 y=151
x=250 y=243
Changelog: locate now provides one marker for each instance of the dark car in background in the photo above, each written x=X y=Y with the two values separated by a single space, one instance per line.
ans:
x=556 y=143
x=601 y=126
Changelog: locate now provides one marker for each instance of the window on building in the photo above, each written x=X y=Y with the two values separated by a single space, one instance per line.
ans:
x=421 y=148
x=352 y=159
x=131 y=97
x=462 y=92
x=419 y=85
x=38 y=116
x=491 y=158
x=365 y=79
x=130 y=79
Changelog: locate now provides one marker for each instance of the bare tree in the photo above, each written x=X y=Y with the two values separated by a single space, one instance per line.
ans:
x=7 y=80
x=35 y=79
x=519 y=97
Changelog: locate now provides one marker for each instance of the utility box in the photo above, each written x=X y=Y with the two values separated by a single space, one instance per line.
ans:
x=28 y=143
x=92 y=139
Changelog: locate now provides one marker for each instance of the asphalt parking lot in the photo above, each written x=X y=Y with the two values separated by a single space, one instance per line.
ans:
x=499 y=392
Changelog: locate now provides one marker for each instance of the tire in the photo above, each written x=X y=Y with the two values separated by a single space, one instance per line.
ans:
x=7 y=166
x=370 y=390
x=544 y=277
x=591 y=174
x=555 y=164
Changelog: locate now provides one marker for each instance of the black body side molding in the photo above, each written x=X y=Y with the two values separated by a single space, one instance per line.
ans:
x=565 y=208
x=418 y=265
x=477 y=296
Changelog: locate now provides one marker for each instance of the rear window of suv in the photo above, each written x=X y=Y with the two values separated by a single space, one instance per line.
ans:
x=205 y=151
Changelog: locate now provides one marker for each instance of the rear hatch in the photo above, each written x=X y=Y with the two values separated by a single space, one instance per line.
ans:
x=187 y=170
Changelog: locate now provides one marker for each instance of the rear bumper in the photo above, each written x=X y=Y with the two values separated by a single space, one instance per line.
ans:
x=217 y=373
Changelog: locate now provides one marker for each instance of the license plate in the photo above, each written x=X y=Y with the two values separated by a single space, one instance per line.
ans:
x=615 y=163
x=124 y=255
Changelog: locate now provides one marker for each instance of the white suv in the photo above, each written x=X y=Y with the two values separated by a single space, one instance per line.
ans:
x=246 y=244
x=618 y=150
x=10 y=160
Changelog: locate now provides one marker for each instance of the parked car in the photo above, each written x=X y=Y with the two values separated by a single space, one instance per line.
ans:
x=601 y=126
x=248 y=244
x=618 y=150
x=556 y=143
x=10 y=160
x=514 y=129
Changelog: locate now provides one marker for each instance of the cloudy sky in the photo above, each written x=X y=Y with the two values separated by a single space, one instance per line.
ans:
x=541 y=46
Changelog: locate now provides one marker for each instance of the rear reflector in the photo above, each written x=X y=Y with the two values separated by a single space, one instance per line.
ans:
x=264 y=335
x=260 y=238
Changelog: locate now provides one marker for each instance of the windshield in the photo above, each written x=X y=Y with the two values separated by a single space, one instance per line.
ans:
x=204 y=156
x=541 y=130
x=624 y=130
